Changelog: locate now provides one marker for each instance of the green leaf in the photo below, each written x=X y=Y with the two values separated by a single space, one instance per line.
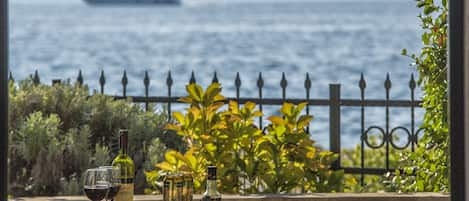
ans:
x=426 y=38
x=404 y=52
x=195 y=92
x=276 y=120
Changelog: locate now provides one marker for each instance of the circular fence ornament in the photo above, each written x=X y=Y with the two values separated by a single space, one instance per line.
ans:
x=367 y=141
x=394 y=132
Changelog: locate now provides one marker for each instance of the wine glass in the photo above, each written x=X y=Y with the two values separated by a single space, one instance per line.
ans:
x=114 y=180
x=96 y=184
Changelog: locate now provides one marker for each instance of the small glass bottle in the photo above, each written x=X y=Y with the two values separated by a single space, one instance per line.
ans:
x=188 y=185
x=179 y=181
x=211 y=194
x=169 y=188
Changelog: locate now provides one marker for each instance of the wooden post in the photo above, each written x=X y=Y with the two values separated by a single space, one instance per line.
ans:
x=458 y=91
x=3 y=99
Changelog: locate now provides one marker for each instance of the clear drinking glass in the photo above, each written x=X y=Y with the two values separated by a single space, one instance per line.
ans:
x=114 y=180
x=96 y=184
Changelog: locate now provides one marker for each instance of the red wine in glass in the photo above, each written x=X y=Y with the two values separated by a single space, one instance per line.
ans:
x=96 y=193
x=96 y=184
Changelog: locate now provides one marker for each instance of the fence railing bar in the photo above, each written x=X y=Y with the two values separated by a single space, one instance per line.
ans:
x=387 y=138
x=362 y=85
x=264 y=101
x=380 y=103
x=237 y=85
x=307 y=86
x=124 y=82
x=102 y=81
x=334 y=123
x=412 y=86
x=146 y=83
x=370 y=171
x=276 y=101
x=283 y=85
x=260 y=84
x=169 y=84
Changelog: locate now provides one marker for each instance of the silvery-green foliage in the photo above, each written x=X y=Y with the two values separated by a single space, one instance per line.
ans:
x=77 y=151
x=101 y=156
x=155 y=154
x=66 y=127
x=47 y=162
x=36 y=132
x=71 y=186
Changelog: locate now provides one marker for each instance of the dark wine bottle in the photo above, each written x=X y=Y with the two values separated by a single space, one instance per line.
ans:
x=126 y=165
x=211 y=194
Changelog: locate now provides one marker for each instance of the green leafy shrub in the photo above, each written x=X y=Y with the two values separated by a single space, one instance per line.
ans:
x=428 y=168
x=249 y=161
x=41 y=148
x=374 y=158
x=155 y=154
x=56 y=132
x=291 y=157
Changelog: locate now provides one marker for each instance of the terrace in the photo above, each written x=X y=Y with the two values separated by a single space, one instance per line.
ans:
x=335 y=102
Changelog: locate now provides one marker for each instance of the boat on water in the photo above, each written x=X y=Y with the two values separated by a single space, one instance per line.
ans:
x=169 y=2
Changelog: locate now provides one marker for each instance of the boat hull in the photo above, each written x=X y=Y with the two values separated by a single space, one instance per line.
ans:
x=131 y=2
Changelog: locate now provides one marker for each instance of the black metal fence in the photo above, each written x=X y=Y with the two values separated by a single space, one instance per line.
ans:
x=334 y=102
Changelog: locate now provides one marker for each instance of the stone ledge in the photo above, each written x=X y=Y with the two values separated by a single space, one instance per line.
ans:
x=307 y=197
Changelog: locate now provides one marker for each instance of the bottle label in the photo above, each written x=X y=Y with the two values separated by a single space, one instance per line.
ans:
x=126 y=193
x=127 y=181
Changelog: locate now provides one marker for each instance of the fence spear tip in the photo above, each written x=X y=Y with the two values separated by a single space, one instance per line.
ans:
x=80 y=77
x=102 y=79
x=124 y=76
x=237 y=80
x=307 y=81
x=146 y=79
x=215 y=77
x=192 y=80
x=36 y=78
x=387 y=83
x=412 y=83
x=283 y=82
x=260 y=81
x=362 y=82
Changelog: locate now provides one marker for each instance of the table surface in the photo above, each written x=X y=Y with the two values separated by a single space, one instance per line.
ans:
x=308 y=197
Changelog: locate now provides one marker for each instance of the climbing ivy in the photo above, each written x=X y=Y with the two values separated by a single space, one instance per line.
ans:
x=428 y=168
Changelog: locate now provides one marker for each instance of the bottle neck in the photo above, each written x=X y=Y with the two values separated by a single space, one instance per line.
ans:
x=123 y=144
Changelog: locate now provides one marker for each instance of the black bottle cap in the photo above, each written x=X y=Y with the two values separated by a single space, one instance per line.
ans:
x=212 y=173
x=123 y=138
